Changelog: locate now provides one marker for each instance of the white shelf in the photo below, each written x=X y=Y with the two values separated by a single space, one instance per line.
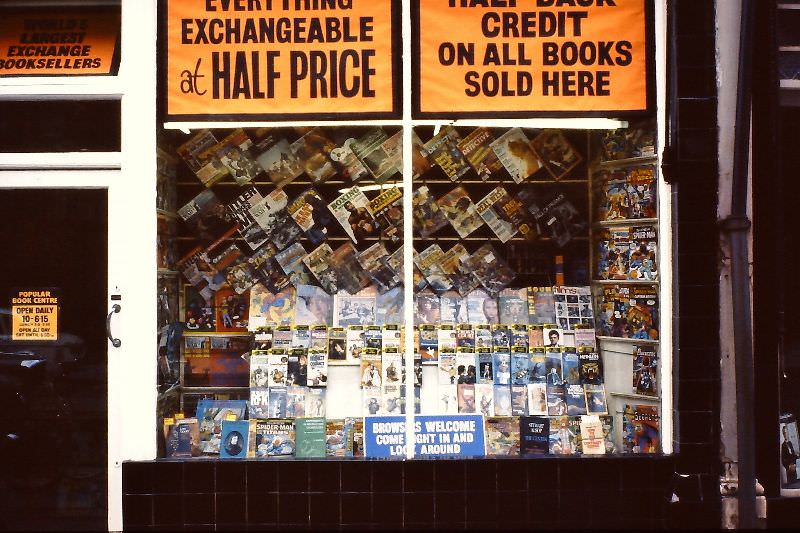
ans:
x=626 y=222
x=633 y=396
x=624 y=282
x=629 y=161
x=627 y=341
x=790 y=84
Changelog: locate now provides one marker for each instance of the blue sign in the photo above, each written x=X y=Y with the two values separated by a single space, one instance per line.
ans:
x=459 y=435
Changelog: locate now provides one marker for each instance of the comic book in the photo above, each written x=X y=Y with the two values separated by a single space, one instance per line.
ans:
x=452 y=308
x=315 y=401
x=267 y=308
x=442 y=150
x=390 y=307
x=233 y=152
x=460 y=211
x=570 y=367
x=612 y=196
x=563 y=436
x=428 y=217
x=311 y=214
x=534 y=435
x=490 y=269
x=502 y=436
x=291 y=261
x=270 y=438
x=642 y=263
x=519 y=400
x=311 y=437
x=351 y=209
x=199 y=155
x=596 y=400
x=637 y=140
x=374 y=261
x=573 y=306
x=205 y=217
x=232 y=310
x=612 y=311
x=541 y=305
x=381 y=157
x=295 y=401
x=477 y=149
x=645 y=370
x=233 y=440
x=556 y=153
x=514 y=152
x=640 y=429
x=350 y=276
x=591 y=367
x=312 y=150
x=210 y=414
x=489 y=208
x=642 y=190
x=482 y=307
x=387 y=209
x=429 y=262
x=642 y=313
x=275 y=156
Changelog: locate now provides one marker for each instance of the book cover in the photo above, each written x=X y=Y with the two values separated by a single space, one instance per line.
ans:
x=315 y=402
x=271 y=214
x=501 y=363
x=591 y=367
x=465 y=338
x=538 y=365
x=502 y=400
x=541 y=305
x=519 y=368
x=556 y=153
x=502 y=436
x=274 y=154
x=427 y=308
x=270 y=438
x=387 y=208
x=596 y=400
x=392 y=338
x=278 y=367
x=570 y=368
x=355 y=427
x=608 y=433
x=612 y=312
x=585 y=338
x=514 y=152
x=501 y=338
x=448 y=339
x=490 y=209
x=259 y=369
x=239 y=212
x=448 y=369
x=452 y=308
x=637 y=140
x=311 y=214
x=350 y=276
x=428 y=342
x=201 y=158
x=182 y=439
x=513 y=306
x=443 y=151
x=640 y=429
x=592 y=439
x=485 y=367
x=537 y=399
x=355 y=342
x=490 y=269
x=465 y=368
x=267 y=308
x=351 y=209
x=559 y=219
x=317 y=368
x=371 y=368
x=429 y=261
x=210 y=414
x=466 y=398
x=535 y=336
x=483 y=337
x=282 y=338
x=336 y=444
x=371 y=400
x=205 y=217
x=427 y=216
x=534 y=435
x=645 y=370
x=337 y=344
x=482 y=307
x=460 y=211
x=553 y=365
x=556 y=400
x=519 y=337
x=563 y=436
x=392 y=400
x=554 y=337
x=477 y=149
x=392 y=362
x=373 y=337
x=575 y=396
x=267 y=270
x=277 y=402
x=642 y=263
x=295 y=401
x=234 y=439
x=311 y=438
x=519 y=400
x=448 y=401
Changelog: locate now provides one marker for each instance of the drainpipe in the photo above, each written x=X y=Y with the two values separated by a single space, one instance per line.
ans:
x=737 y=228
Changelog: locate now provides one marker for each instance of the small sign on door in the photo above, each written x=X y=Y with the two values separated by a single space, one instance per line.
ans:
x=34 y=315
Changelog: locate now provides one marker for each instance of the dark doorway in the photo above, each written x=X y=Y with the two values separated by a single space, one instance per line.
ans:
x=53 y=456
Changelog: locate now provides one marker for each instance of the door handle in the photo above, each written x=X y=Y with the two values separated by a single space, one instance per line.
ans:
x=116 y=343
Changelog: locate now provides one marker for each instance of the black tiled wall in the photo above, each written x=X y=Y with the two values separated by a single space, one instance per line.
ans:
x=697 y=383
x=620 y=492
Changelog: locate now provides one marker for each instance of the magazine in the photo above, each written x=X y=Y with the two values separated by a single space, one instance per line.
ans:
x=492 y=271
x=541 y=305
x=514 y=152
x=239 y=211
x=313 y=306
x=233 y=152
x=513 y=306
x=558 y=218
x=374 y=260
x=358 y=309
x=381 y=157
x=270 y=438
x=490 y=209
x=390 y=307
x=267 y=270
x=455 y=264
x=387 y=208
x=428 y=217
x=453 y=308
x=640 y=429
x=312 y=150
x=419 y=156
x=351 y=209
x=320 y=265
x=477 y=149
x=442 y=150
x=642 y=263
x=460 y=211
x=349 y=274
x=645 y=370
x=268 y=308
x=347 y=164
x=291 y=261
x=206 y=217
x=275 y=156
x=429 y=262
x=556 y=153
x=482 y=307
x=311 y=214
x=573 y=307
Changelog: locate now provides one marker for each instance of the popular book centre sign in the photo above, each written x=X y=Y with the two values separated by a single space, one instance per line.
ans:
x=265 y=59
x=529 y=57
x=34 y=315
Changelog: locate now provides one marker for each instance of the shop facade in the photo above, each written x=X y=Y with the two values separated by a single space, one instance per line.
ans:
x=151 y=103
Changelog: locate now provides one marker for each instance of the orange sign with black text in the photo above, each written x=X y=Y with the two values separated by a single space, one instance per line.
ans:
x=53 y=42
x=531 y=57
x=281 y=59
x=34 y=315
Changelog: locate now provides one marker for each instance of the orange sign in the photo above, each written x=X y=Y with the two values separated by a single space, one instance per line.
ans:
x=34 y=315
x=65 y=42
x=531 y=57
x=281 y=59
